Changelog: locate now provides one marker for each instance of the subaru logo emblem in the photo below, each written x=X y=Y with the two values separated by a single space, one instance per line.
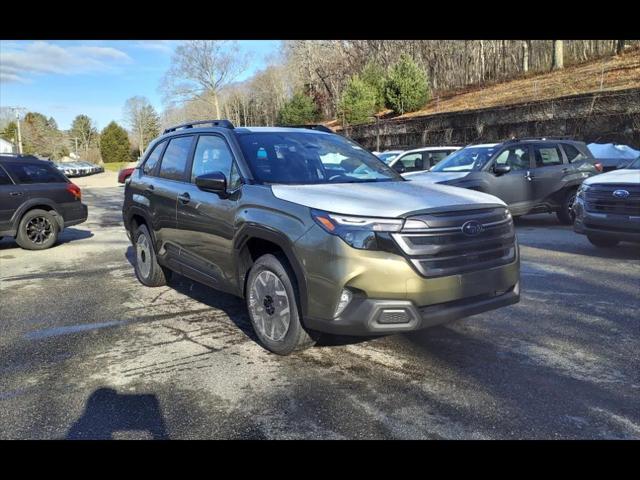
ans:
x=472 y=228
x=621 y=193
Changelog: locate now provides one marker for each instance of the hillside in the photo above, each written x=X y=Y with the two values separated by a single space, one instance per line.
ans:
x=606 y=74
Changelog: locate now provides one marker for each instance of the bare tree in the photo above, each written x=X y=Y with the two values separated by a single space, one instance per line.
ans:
x=142 y=120
x=202 y=68
x=558 y=54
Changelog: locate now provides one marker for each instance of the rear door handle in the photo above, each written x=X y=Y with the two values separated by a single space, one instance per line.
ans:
x=15 y=194
x=528 y=176
x=184 y=198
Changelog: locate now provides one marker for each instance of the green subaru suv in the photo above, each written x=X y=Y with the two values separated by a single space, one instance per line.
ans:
x=315 y=233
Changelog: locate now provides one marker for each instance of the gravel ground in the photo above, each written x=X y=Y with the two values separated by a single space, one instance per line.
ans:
x=88 y=352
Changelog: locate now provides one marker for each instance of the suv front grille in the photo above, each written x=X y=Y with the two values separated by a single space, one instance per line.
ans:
x=600 y=199
x=442 y=248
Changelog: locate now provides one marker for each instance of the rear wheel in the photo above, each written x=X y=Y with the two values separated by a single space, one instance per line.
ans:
x=603 y=242
x=38 y=230
x=566 y=215
x=148 y=271
x=272 y=302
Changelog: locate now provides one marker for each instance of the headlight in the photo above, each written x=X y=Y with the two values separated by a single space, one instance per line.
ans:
x=359 y=232
x=583 y=189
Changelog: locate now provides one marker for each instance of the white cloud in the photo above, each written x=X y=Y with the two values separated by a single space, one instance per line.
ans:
x=19 y=62
x=162 y=46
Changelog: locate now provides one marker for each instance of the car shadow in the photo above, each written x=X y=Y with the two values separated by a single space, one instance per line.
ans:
x=231 y=305
x=107 y=412
x=68 y=235
x=235 y=307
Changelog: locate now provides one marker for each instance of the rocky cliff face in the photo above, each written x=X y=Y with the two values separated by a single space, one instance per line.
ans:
x=612 y=116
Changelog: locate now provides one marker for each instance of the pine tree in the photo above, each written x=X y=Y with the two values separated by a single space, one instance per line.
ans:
x=300 y=109
x=407 y=89
x=358 y=101
x=114 y=144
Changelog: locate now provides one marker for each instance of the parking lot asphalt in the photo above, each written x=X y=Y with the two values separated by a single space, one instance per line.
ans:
x=86 y=351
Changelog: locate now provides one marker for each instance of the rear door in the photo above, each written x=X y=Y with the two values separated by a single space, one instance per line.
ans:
x=548 y=176
x=206 y=219
x=11 y=197
x=514 y=188
x=163 y=190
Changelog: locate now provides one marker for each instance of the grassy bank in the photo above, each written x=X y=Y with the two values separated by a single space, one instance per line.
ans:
x=115 y=166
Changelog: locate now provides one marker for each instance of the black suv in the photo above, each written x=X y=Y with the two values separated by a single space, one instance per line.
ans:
x=36 y=201
x=530 y=175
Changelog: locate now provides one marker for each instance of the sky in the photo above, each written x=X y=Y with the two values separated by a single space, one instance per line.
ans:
x=63 y=79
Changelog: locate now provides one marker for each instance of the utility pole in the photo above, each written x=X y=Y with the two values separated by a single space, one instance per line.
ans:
x=75 y=139
x=17 y=111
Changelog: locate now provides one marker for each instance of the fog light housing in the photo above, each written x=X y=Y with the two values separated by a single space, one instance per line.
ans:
x=345 y=299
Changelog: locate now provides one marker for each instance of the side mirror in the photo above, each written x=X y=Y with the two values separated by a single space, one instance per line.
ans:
x=212 y=182
x=501 y=169
x=399 y=167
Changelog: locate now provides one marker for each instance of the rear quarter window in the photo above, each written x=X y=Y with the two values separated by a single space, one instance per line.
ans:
x=573 y=154
x=28 y=173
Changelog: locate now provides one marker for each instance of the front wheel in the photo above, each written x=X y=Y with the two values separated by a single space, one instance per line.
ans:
x=272 y=302
x=38 y=230
x=603 y=242
x=566 y=215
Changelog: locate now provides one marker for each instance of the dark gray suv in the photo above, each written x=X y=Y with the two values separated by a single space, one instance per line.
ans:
x=530 y=175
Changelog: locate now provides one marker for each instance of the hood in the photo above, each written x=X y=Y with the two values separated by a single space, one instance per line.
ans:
x=435 y=177
x=615 y=176
x=381 y=199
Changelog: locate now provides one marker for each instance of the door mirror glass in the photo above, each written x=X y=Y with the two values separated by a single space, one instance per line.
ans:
x=399 y=167
x=212 y=182
x=501 y=168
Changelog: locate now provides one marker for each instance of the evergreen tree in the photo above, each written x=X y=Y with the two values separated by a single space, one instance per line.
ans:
x=407 y=89
x=114 y=144
x=358 y=101
x=300 y=109
x=374 y=75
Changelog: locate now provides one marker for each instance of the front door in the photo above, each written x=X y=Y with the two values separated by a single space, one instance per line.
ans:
x=206 y=219
x=11 y=197
x=514 y=188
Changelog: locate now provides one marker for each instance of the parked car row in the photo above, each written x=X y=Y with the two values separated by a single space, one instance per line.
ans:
x=78 y=168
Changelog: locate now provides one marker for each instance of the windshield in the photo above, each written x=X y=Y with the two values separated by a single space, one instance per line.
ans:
x=388 y=156
x=466 y=160
x=310 y=158
x=635 y=165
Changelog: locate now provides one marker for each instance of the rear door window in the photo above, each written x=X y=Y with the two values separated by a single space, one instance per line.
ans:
x=175 y=158
x=412 y=162
x=29 y=173
x=547 y=155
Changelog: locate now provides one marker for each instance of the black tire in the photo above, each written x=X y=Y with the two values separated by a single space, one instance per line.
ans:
x=147 y=269
x=38 y=230
x=295 y=337
x=566 y=215
x=603 y=242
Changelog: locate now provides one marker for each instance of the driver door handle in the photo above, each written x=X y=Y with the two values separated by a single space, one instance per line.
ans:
x=15 y=194
x=184 y=198
x=528 y=175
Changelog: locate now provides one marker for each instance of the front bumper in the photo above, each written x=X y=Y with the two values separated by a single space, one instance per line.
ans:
x=383 y=281
x=371 y=317
x=620 y=227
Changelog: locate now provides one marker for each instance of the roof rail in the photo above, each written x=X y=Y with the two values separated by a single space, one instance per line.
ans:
x=320 y=128
x=214 y=123
x=561 y=137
